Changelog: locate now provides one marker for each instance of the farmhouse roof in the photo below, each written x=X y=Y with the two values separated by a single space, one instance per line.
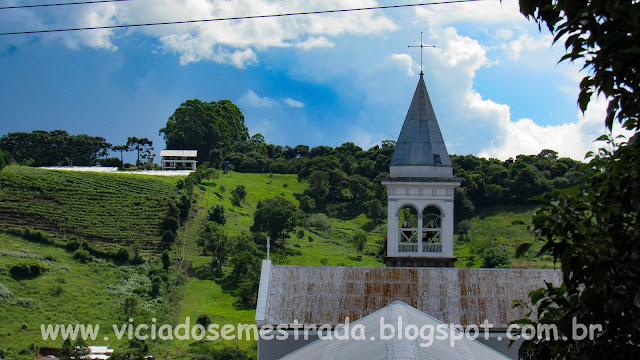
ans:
x=371 y=347
x=184 y=153
x=420 y=141
x=326 y=295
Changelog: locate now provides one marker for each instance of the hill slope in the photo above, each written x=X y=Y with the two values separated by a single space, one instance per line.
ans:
x=107 y=209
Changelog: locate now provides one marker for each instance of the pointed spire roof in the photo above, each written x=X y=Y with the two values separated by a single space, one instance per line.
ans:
x=420 y=142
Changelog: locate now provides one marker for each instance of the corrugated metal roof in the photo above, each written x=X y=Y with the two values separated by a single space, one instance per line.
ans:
x=420 y=138
x=187 y=153
x=371 y=347
x=326 y=295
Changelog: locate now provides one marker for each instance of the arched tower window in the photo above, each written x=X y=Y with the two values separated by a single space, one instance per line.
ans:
x=408 y=229
x=431 y=229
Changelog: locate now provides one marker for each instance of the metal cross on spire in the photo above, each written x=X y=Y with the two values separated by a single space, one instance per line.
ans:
x=421 y=48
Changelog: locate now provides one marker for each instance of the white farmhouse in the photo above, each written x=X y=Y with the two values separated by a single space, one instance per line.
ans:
x=179 y=159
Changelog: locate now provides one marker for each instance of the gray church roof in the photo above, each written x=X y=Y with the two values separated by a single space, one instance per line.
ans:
x=371 y=347
x=420 y=141
x=326 y=294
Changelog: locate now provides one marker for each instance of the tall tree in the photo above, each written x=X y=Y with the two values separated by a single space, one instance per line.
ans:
x=276 y=217
x=205 y=126
x=122 y=149
x=142 y=146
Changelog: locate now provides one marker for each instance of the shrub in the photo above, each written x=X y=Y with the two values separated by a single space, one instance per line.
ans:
x=5 y=293
x=324 y=261
x=170 y=223
x=310 y=238
x=300 y=234
x=122 y=255
x=319 y=221
x=496 y=256
x=168 y=236
x=82 y=255
x=72 y=244
x=216 y=214
x=27 y=271
x=26 y=302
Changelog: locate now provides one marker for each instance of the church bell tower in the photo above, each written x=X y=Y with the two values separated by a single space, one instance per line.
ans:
x=420 y=191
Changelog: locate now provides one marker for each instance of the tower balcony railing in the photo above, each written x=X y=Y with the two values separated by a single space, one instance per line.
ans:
x=432 y=248
x=408 y=247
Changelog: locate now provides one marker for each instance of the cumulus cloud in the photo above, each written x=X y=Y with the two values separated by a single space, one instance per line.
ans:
x=293 y=103
x=251 y=99
x=532 y=44
x=405 y=61
x=524 y=136
x=229 y=42
x=479 y=12
x=314 y=42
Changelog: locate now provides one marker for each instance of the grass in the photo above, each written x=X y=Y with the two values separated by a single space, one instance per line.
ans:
x=107 y=209
x=495 y=225
x=69 y=292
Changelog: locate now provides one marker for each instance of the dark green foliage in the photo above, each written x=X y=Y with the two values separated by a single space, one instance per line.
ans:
x=359 y=240
x=54 y=148
x=143 y=148
x=276 y=217
x=121 y=256
x=318 y=222
x=245 y=263
x=496 y=256
x=109 y=162
x=593 y=229
x=375 y=211
x=5 y=159
x=204 y=320
x=216 y=214
x=170 y=223
x=214 y=240
x=82 y=255
x=157 y=284
x=238 y=195
x=166 y=260
x=27 y=270
x=204 y=127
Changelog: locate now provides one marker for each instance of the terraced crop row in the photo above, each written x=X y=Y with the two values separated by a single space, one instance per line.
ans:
x=106 y=209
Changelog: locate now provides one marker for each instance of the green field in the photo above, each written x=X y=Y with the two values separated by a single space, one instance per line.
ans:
x=106 y=209
x=69 y=292
x=110 y=209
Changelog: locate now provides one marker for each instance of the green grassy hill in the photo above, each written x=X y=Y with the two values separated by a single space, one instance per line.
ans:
x=117 y=209
x=108 y=210
x=68 y=292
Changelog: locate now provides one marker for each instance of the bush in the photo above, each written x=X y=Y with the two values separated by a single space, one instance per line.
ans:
x=121 y=256
x=310 y=238
x=216 y=214
x=319 y=221
x=5 y=293
x=168 y=236
x=300 y=234
x=82 y=255
x=72 y=244
x=170 y=223
x=27 y=271
x=496 y=256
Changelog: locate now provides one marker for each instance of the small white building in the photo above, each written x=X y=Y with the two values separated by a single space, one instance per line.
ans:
x=179 y=159
x=100 y=352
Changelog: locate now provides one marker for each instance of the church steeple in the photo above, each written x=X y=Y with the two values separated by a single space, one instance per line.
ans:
x=420 y=149
x=420 y=191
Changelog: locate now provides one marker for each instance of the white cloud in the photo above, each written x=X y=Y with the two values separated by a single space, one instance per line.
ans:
x=251 y=99
x=573 y=139
x=479 y=12
x=525 y=42
x=314 y=42
x=504 y=34
x=229 y=42
x=364 y=138
x=405 y=61
x=293 y=103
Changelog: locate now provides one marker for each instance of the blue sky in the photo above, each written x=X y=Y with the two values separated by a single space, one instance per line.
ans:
x=317 y=80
